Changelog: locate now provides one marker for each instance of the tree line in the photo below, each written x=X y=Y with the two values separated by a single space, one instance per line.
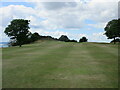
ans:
x=19 y=33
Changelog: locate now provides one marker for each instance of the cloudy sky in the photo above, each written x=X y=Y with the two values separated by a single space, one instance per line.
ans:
x=55 y=18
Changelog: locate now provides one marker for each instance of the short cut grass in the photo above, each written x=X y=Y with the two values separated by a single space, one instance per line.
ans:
x=53 y=64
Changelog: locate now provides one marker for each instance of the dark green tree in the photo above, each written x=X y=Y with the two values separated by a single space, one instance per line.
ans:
x=35 y=36
x=73 y=40
x=83 y=39
x=18 y=30
x=64 y=38
x=112 y=29
x=116 y=40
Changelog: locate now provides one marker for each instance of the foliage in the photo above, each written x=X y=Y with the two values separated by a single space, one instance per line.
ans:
x=19 y=34
x=46 y=38
x=112 y=29
x=35 y=36
x=116 y=40
x=18 y=30
x=83 y=39
x=12 y=42
x=72 y=41
x=64 y=38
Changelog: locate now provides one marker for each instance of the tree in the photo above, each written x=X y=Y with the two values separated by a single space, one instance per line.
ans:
x=83 y=39
x=112 y=29
x=72 y=40
x=35 y=36
x=116 y=40
x=64 y=38
x=18 y=30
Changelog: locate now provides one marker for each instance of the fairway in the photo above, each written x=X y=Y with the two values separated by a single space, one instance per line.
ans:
x=55 y=64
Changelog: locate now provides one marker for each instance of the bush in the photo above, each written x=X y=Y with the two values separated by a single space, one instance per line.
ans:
x=72 y=40
x=35 y=36
x=64 y=38
x=83 y=39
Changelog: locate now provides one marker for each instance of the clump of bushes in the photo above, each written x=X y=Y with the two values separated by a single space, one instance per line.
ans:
x=83 y=39
x=66 y=39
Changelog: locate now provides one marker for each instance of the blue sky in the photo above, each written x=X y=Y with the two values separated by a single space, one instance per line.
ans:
x=4 y=4
x=74 y=19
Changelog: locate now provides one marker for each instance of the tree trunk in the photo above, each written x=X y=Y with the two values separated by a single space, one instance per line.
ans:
x=114 y=40
x=20 y=45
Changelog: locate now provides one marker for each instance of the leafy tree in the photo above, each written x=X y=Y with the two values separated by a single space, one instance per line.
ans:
x=64 y=38
x=83 y=39
x=113 y=29
x=116 y=40
x=12 y=42
x=18 y=30
x=35 y=36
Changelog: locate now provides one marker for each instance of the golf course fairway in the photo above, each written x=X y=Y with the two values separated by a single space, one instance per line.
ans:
x=55 y=64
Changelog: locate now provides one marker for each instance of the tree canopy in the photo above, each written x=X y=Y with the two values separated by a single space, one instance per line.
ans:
x=112 y=29
x=83 y=39
x=64 y=38
x=35 y=36
x=18 y=30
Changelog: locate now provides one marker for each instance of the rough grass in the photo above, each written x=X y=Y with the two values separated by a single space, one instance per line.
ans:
x=51 y=64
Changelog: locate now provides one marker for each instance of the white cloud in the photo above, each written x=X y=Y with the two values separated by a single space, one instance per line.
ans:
x=102 y=11
x=76 y=36
x=62 y=15
x=98 y=37
x=57 y=5
x=119 y=9
x=98 y=25
x=59 y=0
x=15 y=11
x=55 y=34
x=72 y=15
x=3 y=36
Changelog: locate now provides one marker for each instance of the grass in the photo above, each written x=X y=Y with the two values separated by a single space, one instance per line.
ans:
x=51 y=64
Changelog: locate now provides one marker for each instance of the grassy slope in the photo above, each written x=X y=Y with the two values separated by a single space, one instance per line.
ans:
x=52 y=64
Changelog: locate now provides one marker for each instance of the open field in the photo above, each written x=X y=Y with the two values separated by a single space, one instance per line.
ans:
x=52 y=64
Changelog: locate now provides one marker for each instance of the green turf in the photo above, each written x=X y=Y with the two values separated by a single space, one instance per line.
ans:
x=52 y=64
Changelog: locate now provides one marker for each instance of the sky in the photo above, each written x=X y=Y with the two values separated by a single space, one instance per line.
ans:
x=75 y=19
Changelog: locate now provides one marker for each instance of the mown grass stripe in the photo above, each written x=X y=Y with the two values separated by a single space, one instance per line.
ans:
x=61 y=65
